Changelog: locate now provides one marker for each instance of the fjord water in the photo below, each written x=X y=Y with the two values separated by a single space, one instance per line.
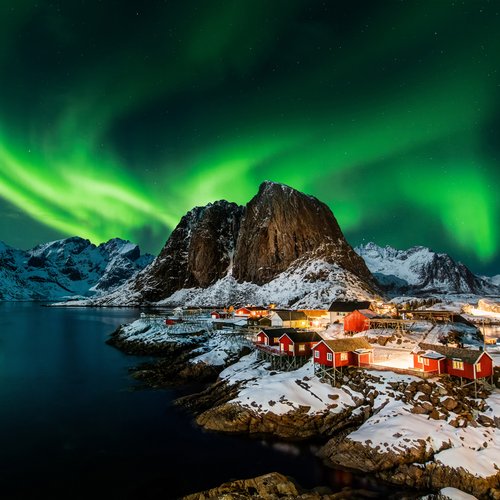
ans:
x=72 y=425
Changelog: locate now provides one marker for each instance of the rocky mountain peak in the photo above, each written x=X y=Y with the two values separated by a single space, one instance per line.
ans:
x=280 y=224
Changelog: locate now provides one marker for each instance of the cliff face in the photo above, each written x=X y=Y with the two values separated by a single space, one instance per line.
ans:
x=199 y=251
x=280 y=225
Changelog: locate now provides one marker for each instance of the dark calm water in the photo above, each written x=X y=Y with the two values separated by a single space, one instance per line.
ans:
x=71 y=425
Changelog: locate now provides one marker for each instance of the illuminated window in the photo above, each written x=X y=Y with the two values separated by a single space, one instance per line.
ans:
x=426 y=361
x=329 y=356
x=275 y=340
x=420 y=359
x=343 y=356
x=282 y=346
x=302 y=347
x=316 y=354
x=290 y=347
x=478 y=367
x=458 y=365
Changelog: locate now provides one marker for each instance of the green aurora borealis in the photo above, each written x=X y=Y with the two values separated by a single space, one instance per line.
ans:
x=117 y=117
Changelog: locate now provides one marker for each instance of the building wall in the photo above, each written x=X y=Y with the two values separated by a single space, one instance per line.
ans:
x=262 y=339
x=362 y=359
x=322 y=359
x=486 y=367
x=344 y=362
x=467 y=372
x=285 y=344
x=355 y=322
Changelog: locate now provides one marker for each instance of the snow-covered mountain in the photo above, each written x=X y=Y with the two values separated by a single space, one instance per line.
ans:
x=68 y=267
x=421 y=270
x=284 y=247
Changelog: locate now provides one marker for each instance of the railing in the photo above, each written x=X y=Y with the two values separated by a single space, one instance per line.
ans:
x=275 y=351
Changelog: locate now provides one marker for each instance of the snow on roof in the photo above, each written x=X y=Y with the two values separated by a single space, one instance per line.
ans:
x=432 y=355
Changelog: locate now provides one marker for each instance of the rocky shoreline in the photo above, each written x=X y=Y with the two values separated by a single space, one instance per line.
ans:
x=401 y=429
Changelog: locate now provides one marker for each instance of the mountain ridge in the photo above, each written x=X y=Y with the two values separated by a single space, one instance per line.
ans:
x=67 y=267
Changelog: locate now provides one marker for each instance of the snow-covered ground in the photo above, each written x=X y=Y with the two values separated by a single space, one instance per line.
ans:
x=280 y=392
x=394 y=428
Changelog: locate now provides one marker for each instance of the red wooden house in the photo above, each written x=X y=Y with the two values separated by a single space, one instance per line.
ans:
x=251 y=311
x=358 y=321
x=271 y=336
x=298 y=343
x=343 y=352
x=429 y=361
x=472 y=364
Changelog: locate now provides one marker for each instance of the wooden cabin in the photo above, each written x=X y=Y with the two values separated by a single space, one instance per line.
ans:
x=429 y=361
x=343 y=352
x=271 y=336
x=339 y=309
x=358 y=321
x=298 y=343
x=288 y=319
x=471 y=364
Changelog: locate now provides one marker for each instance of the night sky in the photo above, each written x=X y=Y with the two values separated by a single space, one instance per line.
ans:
x=116 y=117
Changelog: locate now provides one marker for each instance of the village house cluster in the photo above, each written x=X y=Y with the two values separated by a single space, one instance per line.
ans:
x=287 y=339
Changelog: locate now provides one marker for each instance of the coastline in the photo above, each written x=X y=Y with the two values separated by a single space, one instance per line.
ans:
x=244 y=398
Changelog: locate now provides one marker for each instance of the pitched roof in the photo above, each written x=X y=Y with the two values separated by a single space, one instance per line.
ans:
x=348 y=306
x=348 y=345
x=367 y=312
x=468 y=355
x=298 y=337
x=276 y=332
x=291 y=315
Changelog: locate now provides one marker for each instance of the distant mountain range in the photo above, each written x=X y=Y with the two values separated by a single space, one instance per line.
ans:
x=68 y=267
x=420 y=270
x=283 y=247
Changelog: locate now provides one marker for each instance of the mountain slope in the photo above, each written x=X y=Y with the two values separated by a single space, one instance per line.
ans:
x=72 y=266
x=419 y=270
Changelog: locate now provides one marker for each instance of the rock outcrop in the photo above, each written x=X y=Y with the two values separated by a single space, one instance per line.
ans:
x=272 y=486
